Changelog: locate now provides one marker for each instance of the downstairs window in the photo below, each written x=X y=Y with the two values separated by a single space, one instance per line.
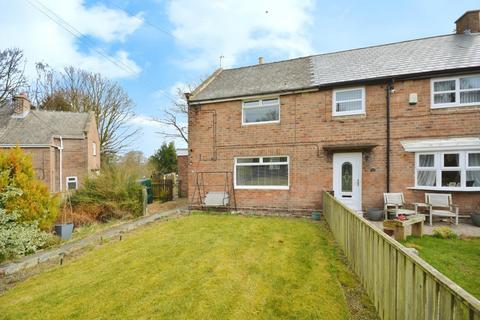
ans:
x=262 y=172
x=452 y=170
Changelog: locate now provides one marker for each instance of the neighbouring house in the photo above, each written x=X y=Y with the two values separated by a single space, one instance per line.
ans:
x=182 y=164
x=400 y=117
x=64 y=146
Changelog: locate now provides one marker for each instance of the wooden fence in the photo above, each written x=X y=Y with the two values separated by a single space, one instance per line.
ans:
x=162 y=189
x=400 y=284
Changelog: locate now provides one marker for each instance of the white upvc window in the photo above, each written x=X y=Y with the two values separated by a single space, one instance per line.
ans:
x=261 y=111
x=72 y=183
x=270 y=172
x=348 y=101
x=449 y=171
x=94 y=148
x=455 y=91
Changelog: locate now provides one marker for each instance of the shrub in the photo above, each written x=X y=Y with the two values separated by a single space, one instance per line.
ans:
x=444 y=233
x=18 y=238
x=112 y=194
x=35 y=204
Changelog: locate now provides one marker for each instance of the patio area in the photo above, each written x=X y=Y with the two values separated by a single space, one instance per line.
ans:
x=464 y=228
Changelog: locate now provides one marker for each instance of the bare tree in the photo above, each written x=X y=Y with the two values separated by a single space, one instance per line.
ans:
x=82 y=91
x=12 y=78
x=176 y=116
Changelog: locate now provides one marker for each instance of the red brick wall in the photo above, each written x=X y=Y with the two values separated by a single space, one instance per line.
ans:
x=182 y=162
x=307 y=125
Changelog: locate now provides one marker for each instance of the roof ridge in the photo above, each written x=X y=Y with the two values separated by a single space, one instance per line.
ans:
x=59 y=111
x=346 y=50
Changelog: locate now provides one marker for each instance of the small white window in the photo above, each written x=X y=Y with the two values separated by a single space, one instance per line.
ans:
x=261 y=111
x=453 y=170
x=94 y=148
x=349 y=101
x=456 y=92
x=72 y=183
x=261 y=172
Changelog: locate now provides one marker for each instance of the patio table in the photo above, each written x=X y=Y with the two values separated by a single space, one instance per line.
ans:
x=398 y=227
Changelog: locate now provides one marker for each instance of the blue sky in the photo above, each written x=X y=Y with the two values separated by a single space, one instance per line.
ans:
x=164 y=44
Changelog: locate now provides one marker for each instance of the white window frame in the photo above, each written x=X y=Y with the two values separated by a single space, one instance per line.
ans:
x=70 y=180
x=260 y=106
x=261 y=163
x=439 y=167
x=347 y=113
x=457 y=93
x=94 y=148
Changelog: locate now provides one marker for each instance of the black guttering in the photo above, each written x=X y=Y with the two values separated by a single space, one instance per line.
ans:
x=378 y=80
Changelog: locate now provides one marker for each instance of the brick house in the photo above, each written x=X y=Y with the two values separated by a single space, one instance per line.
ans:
x=64 y=146
x=400 y=117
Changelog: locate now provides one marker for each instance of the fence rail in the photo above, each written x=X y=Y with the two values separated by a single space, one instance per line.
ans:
x=400 y=284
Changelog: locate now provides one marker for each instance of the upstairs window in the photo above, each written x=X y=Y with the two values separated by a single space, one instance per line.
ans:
x=261 y=111
x=456 y=92
x=349 y=101
x=262 y=173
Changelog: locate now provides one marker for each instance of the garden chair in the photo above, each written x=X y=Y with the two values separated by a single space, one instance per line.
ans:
x=395 y=203
x=437 y=204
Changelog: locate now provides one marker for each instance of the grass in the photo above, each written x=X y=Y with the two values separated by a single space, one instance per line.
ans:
x=199 y=267
x=458 y=259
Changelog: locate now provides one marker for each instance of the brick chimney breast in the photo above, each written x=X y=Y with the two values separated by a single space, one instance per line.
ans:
x=469 y=21
x=21 y=105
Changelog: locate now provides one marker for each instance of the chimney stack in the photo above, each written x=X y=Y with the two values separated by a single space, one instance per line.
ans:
x=21 y=105
x=469 y=22
x=261 y=60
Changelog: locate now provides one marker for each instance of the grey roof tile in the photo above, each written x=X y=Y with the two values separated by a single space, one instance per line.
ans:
x=447 y=52
x=38 y=127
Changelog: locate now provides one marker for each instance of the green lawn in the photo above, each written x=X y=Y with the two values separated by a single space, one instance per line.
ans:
x=457 y=259
x=199 y=267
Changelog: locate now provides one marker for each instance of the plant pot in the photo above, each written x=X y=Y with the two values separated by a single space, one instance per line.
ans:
x=64 y=230
x=375 y=214
x=316 y=215
x=476 y=219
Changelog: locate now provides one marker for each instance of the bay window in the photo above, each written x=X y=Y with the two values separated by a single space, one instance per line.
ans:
x=452 y=170
x=455 y=92
x=261 y=172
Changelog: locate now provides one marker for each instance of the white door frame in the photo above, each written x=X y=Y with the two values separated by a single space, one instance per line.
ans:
x=351 y=199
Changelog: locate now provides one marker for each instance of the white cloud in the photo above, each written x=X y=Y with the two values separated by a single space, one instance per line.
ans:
x=208 y=29
x=43 y=40
x=145 y=121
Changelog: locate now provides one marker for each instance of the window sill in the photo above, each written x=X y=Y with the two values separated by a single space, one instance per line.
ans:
x=446 y=106
x=349 y=114
x=260 y=123
x=261 y=187
x=445 y=189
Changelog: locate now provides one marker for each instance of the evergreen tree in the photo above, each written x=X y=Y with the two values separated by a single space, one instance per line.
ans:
x=165 y=159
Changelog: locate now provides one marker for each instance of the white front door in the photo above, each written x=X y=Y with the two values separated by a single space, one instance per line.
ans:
x=347 y=179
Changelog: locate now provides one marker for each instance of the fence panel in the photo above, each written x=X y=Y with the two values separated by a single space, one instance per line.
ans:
x=400 y=284
x=162 y=189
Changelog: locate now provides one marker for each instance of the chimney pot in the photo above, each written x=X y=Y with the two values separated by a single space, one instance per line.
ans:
x=261 y=60
x=21 y=105
x=469 y=22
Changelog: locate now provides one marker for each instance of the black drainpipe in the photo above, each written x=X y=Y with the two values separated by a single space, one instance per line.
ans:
x=389 y=90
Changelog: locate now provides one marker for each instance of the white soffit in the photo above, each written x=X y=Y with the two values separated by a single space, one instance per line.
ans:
x=470 y=143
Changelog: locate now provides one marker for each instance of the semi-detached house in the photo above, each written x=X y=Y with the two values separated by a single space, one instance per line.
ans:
x=64 y=146
x=400 y=117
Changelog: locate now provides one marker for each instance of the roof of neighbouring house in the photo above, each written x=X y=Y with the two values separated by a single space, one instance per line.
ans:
x=182 y=152
x=38 y=127
x=413 y=57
